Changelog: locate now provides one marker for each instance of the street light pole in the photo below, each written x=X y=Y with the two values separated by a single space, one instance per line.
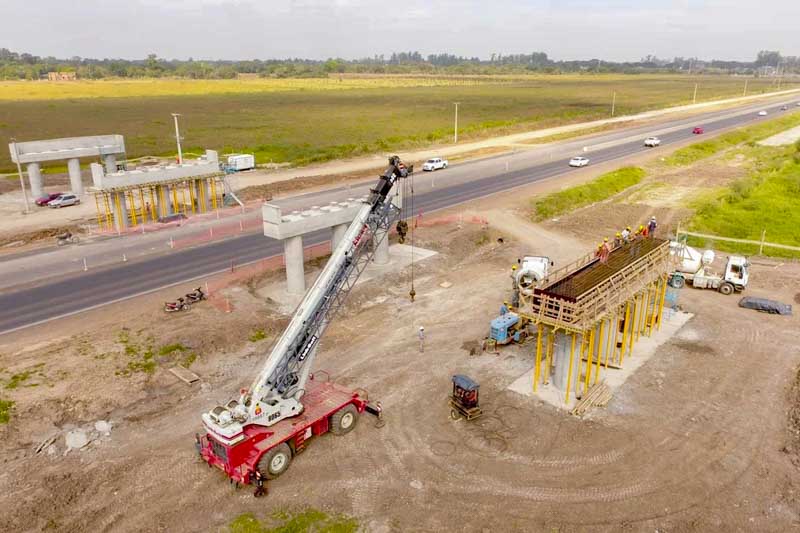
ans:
x=613 y=103
x=178 y=137
x=745 y=88
x=455 y=126
x=21 y=180
x=694 y=98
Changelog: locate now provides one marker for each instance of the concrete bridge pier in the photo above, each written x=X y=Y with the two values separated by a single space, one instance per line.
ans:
x=338 y=232
x=110 y=161
x=35 y=180
x=120 y=211
x=75 y=181
x=294 y=259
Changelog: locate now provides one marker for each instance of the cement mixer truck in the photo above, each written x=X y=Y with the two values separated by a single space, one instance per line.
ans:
x=694 y=267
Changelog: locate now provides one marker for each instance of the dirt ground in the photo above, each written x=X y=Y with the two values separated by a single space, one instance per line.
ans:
x=703 y=437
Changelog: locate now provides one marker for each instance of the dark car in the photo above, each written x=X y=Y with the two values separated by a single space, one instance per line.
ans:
x=44 y=200
x=697 y=130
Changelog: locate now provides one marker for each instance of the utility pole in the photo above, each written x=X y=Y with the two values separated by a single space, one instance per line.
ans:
x=745 y=88
x=694 y=98
x=21 y=180
x=613 y=103
x=178 y=137
x=455 y=126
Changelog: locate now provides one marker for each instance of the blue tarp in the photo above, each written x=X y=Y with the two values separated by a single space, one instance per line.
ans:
x=767 y=306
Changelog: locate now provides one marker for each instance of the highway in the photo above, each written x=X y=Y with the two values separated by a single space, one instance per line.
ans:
x=77 y=292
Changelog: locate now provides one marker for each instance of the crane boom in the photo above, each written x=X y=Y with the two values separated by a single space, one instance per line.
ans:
x=276 y=392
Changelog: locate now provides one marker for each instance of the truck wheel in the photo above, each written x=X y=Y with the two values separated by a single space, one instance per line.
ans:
x=344 y=420
x=677 y=282
x=276 y=461
x=726 y=289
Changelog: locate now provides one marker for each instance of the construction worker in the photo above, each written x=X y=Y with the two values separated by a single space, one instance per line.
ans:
x=421 y=336
x=604 y=251
x=504 y=308
x=626 y=234
x=258 y=480
x=617 y=239
x=651 y=227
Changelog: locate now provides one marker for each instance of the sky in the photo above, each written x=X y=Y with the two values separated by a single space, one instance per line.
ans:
x=615 y=30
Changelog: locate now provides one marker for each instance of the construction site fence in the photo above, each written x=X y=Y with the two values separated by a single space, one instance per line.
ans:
x=761 y=244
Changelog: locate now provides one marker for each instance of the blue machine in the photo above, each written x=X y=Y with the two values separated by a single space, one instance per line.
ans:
x=502 y=326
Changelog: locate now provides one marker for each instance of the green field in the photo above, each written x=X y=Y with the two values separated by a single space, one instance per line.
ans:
x=302 y=121
x=767 y=200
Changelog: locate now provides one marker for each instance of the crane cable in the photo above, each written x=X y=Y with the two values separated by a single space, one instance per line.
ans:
x=412 y=293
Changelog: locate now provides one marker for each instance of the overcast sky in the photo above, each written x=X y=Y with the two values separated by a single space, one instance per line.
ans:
x=318 y=29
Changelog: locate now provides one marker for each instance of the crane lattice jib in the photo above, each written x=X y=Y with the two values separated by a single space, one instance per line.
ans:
x=287 y=367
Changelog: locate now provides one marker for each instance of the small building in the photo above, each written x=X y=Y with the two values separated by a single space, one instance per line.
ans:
x=62 y=76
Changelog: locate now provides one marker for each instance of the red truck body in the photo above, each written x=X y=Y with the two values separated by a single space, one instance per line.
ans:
x=237 y=461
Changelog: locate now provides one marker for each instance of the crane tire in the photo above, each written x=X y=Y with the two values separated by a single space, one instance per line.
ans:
x=344 y=420
x=276 y=461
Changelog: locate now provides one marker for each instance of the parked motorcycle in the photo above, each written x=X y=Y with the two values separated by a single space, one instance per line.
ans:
x=179 y=305
x=196 y=295
x=66 y=238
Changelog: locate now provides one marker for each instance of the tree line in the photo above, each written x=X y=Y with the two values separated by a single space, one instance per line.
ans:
x=22 y=66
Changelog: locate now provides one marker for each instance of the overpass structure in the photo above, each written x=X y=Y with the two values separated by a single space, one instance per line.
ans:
x=131 y=197
x=72 y=149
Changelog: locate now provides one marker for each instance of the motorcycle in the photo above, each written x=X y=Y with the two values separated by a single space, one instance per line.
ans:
x=195 y=296
x=179 y=305
x=66 y=238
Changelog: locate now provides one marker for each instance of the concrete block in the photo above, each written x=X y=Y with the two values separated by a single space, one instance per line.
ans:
x=75 y=180
x=280 y=226
x=294 y=259
x=35 y=180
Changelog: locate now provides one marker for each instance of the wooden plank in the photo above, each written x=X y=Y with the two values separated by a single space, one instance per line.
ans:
x=184 y=374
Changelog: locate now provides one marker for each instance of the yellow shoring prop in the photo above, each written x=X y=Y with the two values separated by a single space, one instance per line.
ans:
x=142 y=205
x=616 y=337
x=580 y=360
x=213 y=193
x=118 y=209
x=132 y=210
x=551 y=340
x=625 y=327
x=202 y=203
x=537 y=368
x=608 y=343
x=99 y=213
x=599 y=353
x=646 y=330
x=175 y=204
x=636 y=316
x=192 y=195
x=569 y=371
x=109 y=210
x=589 y=353
x=183 y=197
x=153 y=204
x=661 y=306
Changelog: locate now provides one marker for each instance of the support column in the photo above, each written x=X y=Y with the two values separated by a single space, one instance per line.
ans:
x=382 y=251
x=293 y=257
x=337 y=235
x=120 y=209
x=35 y=179
x=561 y=360
x=110 y=161
x=75 y=181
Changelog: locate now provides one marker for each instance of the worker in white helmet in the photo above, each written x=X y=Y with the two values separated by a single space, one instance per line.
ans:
x=651 y=226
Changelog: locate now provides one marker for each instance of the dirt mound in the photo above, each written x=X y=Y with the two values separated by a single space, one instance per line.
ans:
x=38 y=235
x=793 y=430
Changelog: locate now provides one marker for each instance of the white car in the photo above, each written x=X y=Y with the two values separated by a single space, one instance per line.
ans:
x=762 y=113
x=64 y=200
x=579 y=161
x=652 y=142
x=434 y=163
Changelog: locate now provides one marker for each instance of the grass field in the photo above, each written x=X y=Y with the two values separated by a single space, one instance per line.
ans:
x=302 y=121
x=598 y=189
x=767 y=200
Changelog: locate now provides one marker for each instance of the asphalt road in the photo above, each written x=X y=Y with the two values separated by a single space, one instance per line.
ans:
x=97 y=287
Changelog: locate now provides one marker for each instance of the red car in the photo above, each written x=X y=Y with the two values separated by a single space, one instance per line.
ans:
x=44 y=200
x=697 y=130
